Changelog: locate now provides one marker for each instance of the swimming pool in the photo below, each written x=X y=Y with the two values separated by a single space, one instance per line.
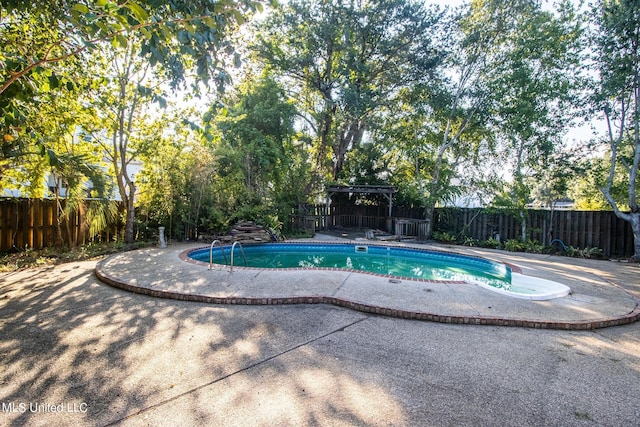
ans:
x=396 y=262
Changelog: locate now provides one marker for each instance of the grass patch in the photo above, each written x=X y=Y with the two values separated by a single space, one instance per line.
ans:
x=50 y=256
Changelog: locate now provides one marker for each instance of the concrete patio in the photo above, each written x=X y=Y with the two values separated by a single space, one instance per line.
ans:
x=106 y=356
x=598 y=298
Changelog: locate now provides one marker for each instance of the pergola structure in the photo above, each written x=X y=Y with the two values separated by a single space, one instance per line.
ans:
x=386 y=190
x=400 y=227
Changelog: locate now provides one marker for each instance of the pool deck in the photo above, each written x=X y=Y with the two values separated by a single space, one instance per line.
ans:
x=604 y=293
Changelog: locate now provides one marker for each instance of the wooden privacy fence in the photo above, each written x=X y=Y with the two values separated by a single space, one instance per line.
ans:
x=580 y=229
x=33 y=223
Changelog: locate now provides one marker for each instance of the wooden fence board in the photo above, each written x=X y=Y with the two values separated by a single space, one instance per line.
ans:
x=33 y=223
x=580 y=229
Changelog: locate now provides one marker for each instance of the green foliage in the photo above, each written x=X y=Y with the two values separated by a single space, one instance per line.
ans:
x=174 y=35
x=585 y=188
x=255 y=131
x=587 y=252
x=533 y=82
x=552 y=184
x=447 y=220
x=444 y=237
x=175 y=184
x=262 y=166
x=535 y=247
x=244 y=164
x=470 y=241
x=414 y=161
x=46 y=45
x=615 y=36
x=514 y=245
x=346 y=61
x=530 y=246
x=367 y=164
x=491 y=244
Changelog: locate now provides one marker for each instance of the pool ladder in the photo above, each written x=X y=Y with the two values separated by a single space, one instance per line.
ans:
x=225 y=255
x=211 y=253
x=241 y=251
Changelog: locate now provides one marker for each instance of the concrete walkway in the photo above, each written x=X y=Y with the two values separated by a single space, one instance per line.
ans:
x=77 y=352
x=598 y=297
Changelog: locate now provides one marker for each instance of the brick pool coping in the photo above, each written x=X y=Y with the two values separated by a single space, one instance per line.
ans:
x=591 y=324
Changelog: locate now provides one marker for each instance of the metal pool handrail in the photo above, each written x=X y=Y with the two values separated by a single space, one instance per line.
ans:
x=241 y=251
x=211 y=253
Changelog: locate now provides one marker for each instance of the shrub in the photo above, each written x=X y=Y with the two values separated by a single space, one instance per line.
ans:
x=514 y=245
x=584 y=253
x=443 y=237
x=531 y=246
x=470 y=241
x=593 y=252
x=491 y=243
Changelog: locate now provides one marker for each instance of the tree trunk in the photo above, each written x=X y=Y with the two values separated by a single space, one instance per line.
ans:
x=428 y=216
x=523 y=226
x=325 y=132
x=129 y=230
x=434 y=187
x=635 y=227
x=521 y=191
x=58 y=215
x=349 y=139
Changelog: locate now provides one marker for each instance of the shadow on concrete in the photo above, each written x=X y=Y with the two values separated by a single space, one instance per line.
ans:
x=106 y=355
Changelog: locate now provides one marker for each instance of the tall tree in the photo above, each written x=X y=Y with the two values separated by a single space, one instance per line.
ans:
x=531 y=79
x=504 y=78
x=143 y=37
x=175 y=182
x=346 y=59
x=122 y=99
x=44 y=41
x=616 y=47
x=444 y=121
x=257 y=127
x=257 y=151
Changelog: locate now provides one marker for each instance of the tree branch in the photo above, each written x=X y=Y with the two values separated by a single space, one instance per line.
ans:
x=87 y=44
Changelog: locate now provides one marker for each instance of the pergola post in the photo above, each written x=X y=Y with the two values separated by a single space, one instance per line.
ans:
x=390 y=198
x=326 y=211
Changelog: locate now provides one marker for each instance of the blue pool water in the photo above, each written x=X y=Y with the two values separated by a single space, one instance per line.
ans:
x=391 y=261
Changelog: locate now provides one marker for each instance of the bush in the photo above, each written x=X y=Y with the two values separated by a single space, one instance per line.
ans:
x=443 y=237
x=491 y=243
x=513 y=245
x=470 y=241
x=584 y=253
x=531 y=246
